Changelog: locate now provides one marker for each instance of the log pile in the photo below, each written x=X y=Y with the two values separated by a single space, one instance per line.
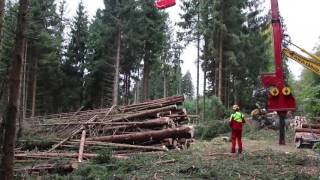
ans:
x=307 y=134
x=152 y=126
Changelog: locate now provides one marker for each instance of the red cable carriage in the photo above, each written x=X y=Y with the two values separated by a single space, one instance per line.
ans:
x=162 y=4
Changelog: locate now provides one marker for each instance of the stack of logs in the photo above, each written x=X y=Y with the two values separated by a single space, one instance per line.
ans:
x=157 y=125
x=307 y=134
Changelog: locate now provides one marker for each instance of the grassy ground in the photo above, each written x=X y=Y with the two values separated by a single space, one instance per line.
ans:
x=262 y=159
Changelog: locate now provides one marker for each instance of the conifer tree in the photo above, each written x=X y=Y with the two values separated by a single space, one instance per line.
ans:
x=76 y=60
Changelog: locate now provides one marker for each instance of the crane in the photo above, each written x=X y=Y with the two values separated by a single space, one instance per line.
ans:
x=279 y=96
x=312 y=62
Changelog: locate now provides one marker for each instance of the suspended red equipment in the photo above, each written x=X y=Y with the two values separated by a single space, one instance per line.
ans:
x=280 y=98
x=163 y=4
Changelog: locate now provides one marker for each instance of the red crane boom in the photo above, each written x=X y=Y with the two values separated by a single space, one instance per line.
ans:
x=279 y=95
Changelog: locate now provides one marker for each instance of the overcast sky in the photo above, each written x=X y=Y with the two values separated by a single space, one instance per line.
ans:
x=301 y=19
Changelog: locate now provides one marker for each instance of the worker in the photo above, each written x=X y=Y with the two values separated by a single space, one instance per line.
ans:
x=236 y=123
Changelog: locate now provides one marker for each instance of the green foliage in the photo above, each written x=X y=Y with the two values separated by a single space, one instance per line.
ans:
x=103 y=157
x=211 y=129
x=6 y=50
x=105 y=167
x=316 y=148
x=307 y=91
x=74 y=66
x=214 y=109
x=235 y=31
x=215 y=113
x=187 y=86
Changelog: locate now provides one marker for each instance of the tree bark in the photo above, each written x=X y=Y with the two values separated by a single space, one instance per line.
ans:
x=81 y=147
x=2 y=5
x=146 y=72
x=34 y=85
x=198 y=65
x=137 y=93
x=115 y=93
x=204 y=92
x=181 y=132
x=164 y=78
x=221 y=63
x=14 y=86
x=152 y=112
x=315 y=131
x=22 y=95
x=312 y=126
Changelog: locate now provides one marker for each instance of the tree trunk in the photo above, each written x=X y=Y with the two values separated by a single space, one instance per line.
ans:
x=34 y=86
x=127 y=87
x=181 y=132
x=235 y=93
x=198 y=65
x=221 y=63
x=14 y=85
x=22 y=95
x=146 y=72
x=2 y=5
x=164 y=79
x=115 y=93
x=137 y=93
x=204 y=91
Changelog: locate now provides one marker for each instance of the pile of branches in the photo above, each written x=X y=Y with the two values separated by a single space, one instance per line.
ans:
x=306 y=135
x=152 y=126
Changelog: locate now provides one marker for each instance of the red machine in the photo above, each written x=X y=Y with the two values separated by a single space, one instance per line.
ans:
x=280 y=98
x=163 y=4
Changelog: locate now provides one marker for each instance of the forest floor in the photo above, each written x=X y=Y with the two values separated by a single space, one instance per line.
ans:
x=263 y=158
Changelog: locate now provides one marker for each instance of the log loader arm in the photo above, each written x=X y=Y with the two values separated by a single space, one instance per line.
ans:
x=312 y=62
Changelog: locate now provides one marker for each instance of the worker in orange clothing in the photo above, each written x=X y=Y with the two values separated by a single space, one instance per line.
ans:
x=236 y=123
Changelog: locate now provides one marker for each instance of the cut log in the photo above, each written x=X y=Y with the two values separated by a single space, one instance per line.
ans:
x=127 y=146
x=312 y=126
x=163 y=114
x=46 y=155
x=144 y=114
x=148 y=123
x=180 y=132
x=315 y=131
x=48 y=167
x=52 y=155
x=81 y=148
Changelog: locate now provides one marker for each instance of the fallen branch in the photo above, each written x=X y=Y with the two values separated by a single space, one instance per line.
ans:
x=74 y=133
x=166 y=162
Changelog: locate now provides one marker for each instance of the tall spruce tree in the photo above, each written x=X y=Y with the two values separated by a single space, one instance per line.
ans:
x=233 y=38
x=187 y=86
x=42 y=57
x=76 y=61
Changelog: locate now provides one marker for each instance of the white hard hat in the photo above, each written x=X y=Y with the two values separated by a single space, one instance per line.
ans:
x=235 y=107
